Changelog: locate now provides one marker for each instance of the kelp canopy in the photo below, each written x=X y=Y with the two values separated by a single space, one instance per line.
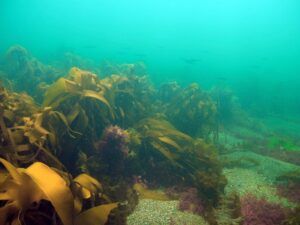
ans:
x=113 y=128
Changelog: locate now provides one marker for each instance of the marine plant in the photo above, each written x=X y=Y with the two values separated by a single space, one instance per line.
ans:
x=30 y=133
x=162 y=136
x=226 y=103
x=48 y=132
x=70 y=59
x=160 y=146
x=282 y=144
x=167 y=91
x=126 y=69
x=81 y=98
x=22 y=189
x=202 y=159
x=192 y=111
x=288 y=185
x=132 y=98
x=114 y=128
x=293 y=217
x=171 y=157
x=190 y=201
x=260 y=211
x=27 y=71
x=15 y=106
x=112 y=150
x=228 y=211
x=13 y=109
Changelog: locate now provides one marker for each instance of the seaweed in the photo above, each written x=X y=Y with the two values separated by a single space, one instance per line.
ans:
x=190 y=202
x=171 y=157
x=260 y=211
x=125 y=69
x=24 y=187
x=229 y=210
x=27 y=71
x=288 y=186
x=114 y=128
x=293 y=217
x=196 y=115
x=132 y=98
x=81 y=98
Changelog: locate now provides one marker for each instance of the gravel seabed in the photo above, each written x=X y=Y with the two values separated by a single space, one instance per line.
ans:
x=257 y=180
x=154 y=212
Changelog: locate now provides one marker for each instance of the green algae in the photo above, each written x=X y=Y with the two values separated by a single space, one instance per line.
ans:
x=282 y=144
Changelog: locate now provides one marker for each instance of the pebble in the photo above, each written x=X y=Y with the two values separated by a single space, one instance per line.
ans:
x=154 y=212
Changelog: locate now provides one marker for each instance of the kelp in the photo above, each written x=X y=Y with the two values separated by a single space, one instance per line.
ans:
x=79 y=83
x=227 y=104
x=70 y=59
x=82 y=99
x=192 y=111
x=27 y=71
x=171 y=157
x=131 y=96
x=167 y=91
x=149 y=135
x=162 y=136
x=96 y=215
x=229 y=211
x=126 y=69
x=13 y=108
x=48 y=128
x=38 y=137
x=24 y=187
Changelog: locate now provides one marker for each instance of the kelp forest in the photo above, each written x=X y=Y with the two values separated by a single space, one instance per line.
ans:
x=87 y=144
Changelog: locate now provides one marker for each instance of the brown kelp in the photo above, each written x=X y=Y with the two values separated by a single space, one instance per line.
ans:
x=175 y=158
x=25 y=189
x=132 y=98
x=26 y=73
x=81 y=98
x=113 y=128
x=192 y=111
x=125 y=69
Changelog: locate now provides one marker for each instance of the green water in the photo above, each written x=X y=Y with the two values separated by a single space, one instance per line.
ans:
x=251 y=45
x=194 y=40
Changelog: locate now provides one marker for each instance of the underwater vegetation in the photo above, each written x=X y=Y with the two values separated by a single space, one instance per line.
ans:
x=289 y=186
x=24 y=192
x=189 y=201
x=259 y=211
x=29 y=74
x=112 y=128
x=197 y=114
x=78 y=147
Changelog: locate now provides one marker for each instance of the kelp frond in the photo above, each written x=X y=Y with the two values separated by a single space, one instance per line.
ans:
x=77 y=84
x=24 y=187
